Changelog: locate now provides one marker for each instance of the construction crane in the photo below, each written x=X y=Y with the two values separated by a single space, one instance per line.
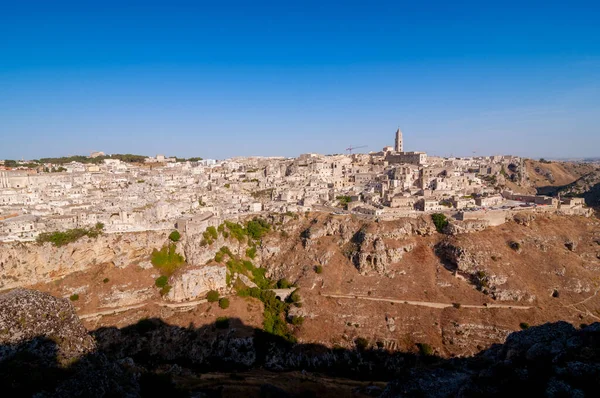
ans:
x=351 y=148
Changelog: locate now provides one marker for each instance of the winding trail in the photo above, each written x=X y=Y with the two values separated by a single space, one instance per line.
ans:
x=429 y=304
x=117 y=310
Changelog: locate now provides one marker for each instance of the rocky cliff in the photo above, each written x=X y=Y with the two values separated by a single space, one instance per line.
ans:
x=23 y=264
x=150 y=357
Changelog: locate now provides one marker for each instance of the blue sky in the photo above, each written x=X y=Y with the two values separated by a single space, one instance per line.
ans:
x=232 y=78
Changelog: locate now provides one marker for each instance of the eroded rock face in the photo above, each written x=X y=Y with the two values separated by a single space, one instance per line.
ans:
x=524 y=218
x=548 y=360
x=30 y=263
x=462 y=227
x=38 y=323
x=194 y=282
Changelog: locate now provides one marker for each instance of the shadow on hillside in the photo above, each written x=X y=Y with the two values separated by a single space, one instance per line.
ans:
x=152 y=358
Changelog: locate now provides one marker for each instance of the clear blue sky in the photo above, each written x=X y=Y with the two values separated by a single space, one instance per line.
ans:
x=231 y=78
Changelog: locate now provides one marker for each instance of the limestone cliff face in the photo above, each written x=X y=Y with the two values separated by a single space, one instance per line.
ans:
x=194 y=282
x=23 y=264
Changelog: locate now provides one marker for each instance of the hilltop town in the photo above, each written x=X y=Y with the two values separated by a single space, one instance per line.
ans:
x=128 y=193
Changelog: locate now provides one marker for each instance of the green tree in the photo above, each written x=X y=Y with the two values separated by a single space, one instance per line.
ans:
x=175 y=236
x=161 y=281
x=224 y=303
x=440 y=221
x=212 y=296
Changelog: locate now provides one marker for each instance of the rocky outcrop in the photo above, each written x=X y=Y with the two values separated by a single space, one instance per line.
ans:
x=551 y=360
x=194 y=282
x=470 y=266
x=456 y=227
x=375 y=257
x=38 y=323
x=24 y=264
x=523 y=218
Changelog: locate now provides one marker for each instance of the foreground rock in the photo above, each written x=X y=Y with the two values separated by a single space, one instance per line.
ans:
x=552 y=360
x=35 y=322
x=549 y=360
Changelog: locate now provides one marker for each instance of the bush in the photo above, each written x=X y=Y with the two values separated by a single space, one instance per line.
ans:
x=222 y=322
x=61 y=238
x=524 y=325
x=516 y=246
x=251 y=252
x=175 y=236
x=297 y=320
x=344 y=200
x=166 y=259
x=224 y=303
x=105 y=280
x=361 y=343
x=318 y=269
x=440 y=221
x=219 y=257
x=257 y=228
x=425 y=349
x=294 y=298
x=74 y=297
x=212 y=296
x=456 y=305
x=161 y=281
x=212 y=232
x=283 y=284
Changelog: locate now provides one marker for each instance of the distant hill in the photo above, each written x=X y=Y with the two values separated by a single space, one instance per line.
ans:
x=587 y=187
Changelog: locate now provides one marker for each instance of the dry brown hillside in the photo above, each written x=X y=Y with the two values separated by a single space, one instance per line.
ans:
x=395 y=284
x=553 y=174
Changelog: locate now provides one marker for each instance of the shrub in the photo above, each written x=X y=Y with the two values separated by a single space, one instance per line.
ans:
x=175 y=236
x=456 y=305
x=297 y=320
x=161 y=281
x=165 y=290
x=440 y=221
x=318 y=269
x=294 y=298
x=251 y=252
x=361 y=343
x=224 y=303
x=212 y=296
x=212 y=232
x=105 y=280
x=524 y=325
x=516 y=246
x=284 y=235
x=344 y=200
x=166 y=259
x=227 y=185
x=425 y=349
x=61 y=238
x=219 y=256
x=283 y=284
x=257 y=228
x=222 y=322
x=74 y=297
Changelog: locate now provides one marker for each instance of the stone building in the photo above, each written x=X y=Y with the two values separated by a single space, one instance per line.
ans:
x=399 y=145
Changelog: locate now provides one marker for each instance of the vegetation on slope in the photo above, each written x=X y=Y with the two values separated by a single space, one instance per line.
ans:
x=61 y=238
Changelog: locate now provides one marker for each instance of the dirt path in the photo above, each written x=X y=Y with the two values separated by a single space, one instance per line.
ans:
x=117 y=310
x=427 y=303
